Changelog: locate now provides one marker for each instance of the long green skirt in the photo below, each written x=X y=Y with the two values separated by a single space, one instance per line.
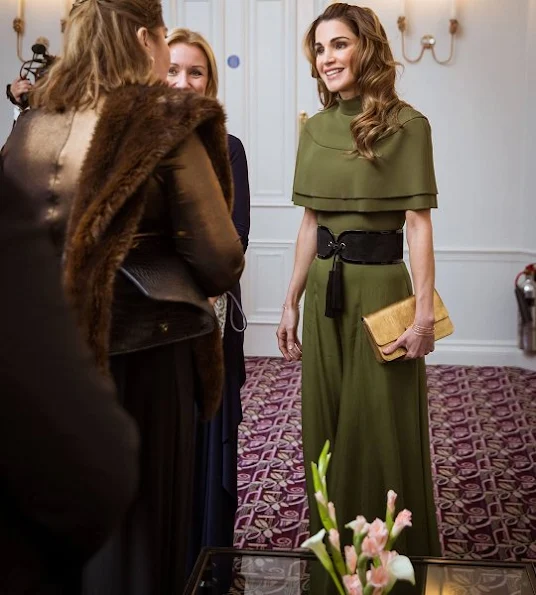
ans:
x=375 y=415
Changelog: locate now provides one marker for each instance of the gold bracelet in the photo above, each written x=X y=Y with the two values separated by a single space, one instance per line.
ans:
x=287 y=306
x=423 y=331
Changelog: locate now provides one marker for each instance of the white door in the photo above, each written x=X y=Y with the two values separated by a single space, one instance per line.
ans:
x=264 y=84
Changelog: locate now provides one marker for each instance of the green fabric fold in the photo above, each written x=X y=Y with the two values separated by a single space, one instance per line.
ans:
x=328 y=177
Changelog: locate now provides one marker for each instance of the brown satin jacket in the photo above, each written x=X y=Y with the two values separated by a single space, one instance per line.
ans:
x=136 y=196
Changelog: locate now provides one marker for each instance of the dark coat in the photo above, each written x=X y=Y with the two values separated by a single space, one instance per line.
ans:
x=156 y=164
x=68 y=452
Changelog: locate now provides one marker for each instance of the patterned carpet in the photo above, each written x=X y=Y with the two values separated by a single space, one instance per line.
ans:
x=483 y=439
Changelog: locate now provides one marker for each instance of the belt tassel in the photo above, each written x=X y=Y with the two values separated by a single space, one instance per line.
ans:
x=334 y=292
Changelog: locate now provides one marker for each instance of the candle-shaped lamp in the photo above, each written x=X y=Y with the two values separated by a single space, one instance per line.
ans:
x=453 y=9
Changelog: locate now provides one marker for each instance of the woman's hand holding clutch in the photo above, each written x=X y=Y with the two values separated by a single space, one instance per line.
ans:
x=416 y=343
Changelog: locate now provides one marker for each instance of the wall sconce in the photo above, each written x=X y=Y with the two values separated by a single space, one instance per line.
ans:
x=428 y=42
x=18 y=25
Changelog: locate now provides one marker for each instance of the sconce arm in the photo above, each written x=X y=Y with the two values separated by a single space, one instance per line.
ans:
x=428 y=42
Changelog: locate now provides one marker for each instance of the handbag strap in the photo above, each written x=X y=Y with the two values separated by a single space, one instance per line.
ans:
x=235 y=304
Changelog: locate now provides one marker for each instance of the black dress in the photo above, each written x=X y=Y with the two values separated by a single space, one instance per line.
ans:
x=68 y=453
x=216 y=498
x=148 y=555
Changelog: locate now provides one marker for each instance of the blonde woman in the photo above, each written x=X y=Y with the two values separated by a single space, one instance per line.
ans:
x=364 y=169
x=131 y=180
x=193 y=67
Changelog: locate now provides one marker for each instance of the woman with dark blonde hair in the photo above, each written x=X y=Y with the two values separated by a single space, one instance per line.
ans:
x=193 y=66
x=364 y=169
x=131 y=179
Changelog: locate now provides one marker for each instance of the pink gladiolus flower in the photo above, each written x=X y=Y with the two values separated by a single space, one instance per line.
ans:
x=391 y=501
x=378 y=531
x=387 y=556
x=403 y=519
x=351 y=558
x=352 y=584
x=331 y=512
x=334 y=539
x=378 y=577
x=359 y=526
x=371 y=547
x=320 y=498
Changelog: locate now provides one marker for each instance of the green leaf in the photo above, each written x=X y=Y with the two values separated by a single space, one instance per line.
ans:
x=316 y=478
x=323 y=461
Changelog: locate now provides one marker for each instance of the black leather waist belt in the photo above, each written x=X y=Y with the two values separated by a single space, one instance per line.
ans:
x=361 y=247
x=355 y=247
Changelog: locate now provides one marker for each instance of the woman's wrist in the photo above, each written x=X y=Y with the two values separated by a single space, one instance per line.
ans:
x=424 y=321
x=291 y=305
x=424 y=315
x=292 y=300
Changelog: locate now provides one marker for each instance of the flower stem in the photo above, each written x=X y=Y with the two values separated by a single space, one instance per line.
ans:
x=338 y=560
x=362 y=569
x=337 y=582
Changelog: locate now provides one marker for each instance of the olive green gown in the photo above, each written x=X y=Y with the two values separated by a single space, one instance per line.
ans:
x=375 y=415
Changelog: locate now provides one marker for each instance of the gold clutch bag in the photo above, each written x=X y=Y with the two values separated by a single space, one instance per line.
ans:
x=386 y=325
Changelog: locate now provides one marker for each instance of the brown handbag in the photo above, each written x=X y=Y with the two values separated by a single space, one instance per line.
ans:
x=384 y=326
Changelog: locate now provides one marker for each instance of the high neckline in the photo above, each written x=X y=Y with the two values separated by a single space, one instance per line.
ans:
x=350 y=107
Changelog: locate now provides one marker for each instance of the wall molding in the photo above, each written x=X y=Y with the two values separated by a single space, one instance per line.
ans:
x=255 y=287
x=480 y=353
x=451 y=254
x=255 y=202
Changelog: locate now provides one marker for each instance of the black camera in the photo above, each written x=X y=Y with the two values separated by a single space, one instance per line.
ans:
x=39 y=64
x=36 y=67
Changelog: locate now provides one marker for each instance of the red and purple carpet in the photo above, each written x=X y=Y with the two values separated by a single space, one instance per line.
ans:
x=483 y=440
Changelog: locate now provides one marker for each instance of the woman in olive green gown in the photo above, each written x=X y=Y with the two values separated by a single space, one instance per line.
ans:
x=364 y=163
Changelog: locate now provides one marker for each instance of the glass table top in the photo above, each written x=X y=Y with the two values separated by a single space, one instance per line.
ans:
x=238 y=572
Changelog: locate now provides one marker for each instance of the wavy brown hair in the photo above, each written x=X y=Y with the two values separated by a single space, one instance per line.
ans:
x=101 y=52
x=189 y=37
x=375 y=71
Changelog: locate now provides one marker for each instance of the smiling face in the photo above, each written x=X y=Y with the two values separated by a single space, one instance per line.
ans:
x=335 y=47
x=189 y=68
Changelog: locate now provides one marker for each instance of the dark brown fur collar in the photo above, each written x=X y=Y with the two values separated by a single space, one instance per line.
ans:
x=138 y=126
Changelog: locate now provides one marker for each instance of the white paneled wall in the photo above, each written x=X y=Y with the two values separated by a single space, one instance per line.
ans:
x=268 y=261
x=481 y=111
x=272 y=89
x=528 y=146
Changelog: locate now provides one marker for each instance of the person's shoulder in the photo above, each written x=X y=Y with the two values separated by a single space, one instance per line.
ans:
x=318 y=124
x=409 y=115
x=321 y=117
x=237 y=153
x=235 y=144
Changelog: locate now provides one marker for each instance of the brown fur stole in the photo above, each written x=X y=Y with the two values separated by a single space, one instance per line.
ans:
x=138 y=126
